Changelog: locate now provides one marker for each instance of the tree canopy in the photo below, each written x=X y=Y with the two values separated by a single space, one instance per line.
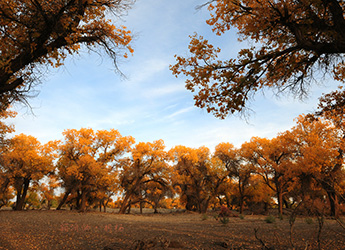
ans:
x=292 y=41
x=37 y=32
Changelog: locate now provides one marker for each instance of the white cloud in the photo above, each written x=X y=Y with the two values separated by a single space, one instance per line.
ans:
x=179 y=112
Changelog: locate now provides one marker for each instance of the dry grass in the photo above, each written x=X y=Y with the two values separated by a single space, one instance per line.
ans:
x=93 y=230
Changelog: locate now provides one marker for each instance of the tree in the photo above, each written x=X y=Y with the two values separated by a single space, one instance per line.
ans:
x=26 y=160
x=147 y=164
x=320 y=147
x=156 y=192
x=87 y=161
x=5 y=192
x=274 y=162
x=46 y=191
x=36 y=33
x=196 y=176
x=293 y=40
x=238 y=168
x=331 y=107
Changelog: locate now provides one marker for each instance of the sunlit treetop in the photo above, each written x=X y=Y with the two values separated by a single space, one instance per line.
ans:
x=37 y=32
x=292 y=41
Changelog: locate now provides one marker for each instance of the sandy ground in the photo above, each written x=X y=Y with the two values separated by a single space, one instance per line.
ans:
x=93 y=230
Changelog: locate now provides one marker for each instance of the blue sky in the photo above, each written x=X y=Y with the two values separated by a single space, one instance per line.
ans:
x=150 y=103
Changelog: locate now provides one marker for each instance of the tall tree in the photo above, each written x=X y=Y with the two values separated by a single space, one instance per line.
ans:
x=41 y=32
x=332 y=108
x=147 y=163
x=293 y=40
x=26 y=160
x=46 y=190
x=320 y=148
x=197 y=178
x=5 y=129
x=87 y=161
x=274 y=161
x=238 y=169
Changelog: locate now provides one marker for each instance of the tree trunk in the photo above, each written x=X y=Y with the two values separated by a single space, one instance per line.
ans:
x=105 y=204
x=333 y=202
x=280 y=203
x=155 y=208
x=124 y=203
x=83 y=201
x=78 y=198
x=241 y=204
x=286 y=203
x=63 y=199
x=21 y=194
x=204 y=205
x=266 y=206
x=189 y=204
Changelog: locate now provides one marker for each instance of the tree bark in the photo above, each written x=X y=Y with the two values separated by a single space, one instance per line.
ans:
x=124 y=203
x=141 y=207
x=204 y=205
x=241 y=204
x=332 y=197
x=280 y=203
x=21 y=194
x=333 y=202
x=63 y=199
x=83 y=201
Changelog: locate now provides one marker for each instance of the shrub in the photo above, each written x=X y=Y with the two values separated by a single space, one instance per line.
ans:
x=270 y=219
x=225 y=212
x=224 y=220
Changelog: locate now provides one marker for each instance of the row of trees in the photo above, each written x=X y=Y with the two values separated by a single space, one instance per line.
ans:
x=301 y=165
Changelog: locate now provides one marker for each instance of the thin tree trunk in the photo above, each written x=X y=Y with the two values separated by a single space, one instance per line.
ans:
x=240 y=189
x=241 y=204
x=280 y=203
x=155 y=207
x=63 y=199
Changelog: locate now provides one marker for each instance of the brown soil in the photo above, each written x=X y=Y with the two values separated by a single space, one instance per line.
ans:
x=71 y=230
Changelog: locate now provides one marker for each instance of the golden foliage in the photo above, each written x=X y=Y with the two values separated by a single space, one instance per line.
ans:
x=38 y=32
x=291 y=39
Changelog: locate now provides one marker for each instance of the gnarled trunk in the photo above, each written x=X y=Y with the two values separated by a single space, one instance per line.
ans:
x=124 y=204
x=82 y=207
x=333 y=202
x=63 y=199
x=21 y=194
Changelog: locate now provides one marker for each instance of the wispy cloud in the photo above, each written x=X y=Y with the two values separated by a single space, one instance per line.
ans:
x=151 y=104
x=179 y=112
